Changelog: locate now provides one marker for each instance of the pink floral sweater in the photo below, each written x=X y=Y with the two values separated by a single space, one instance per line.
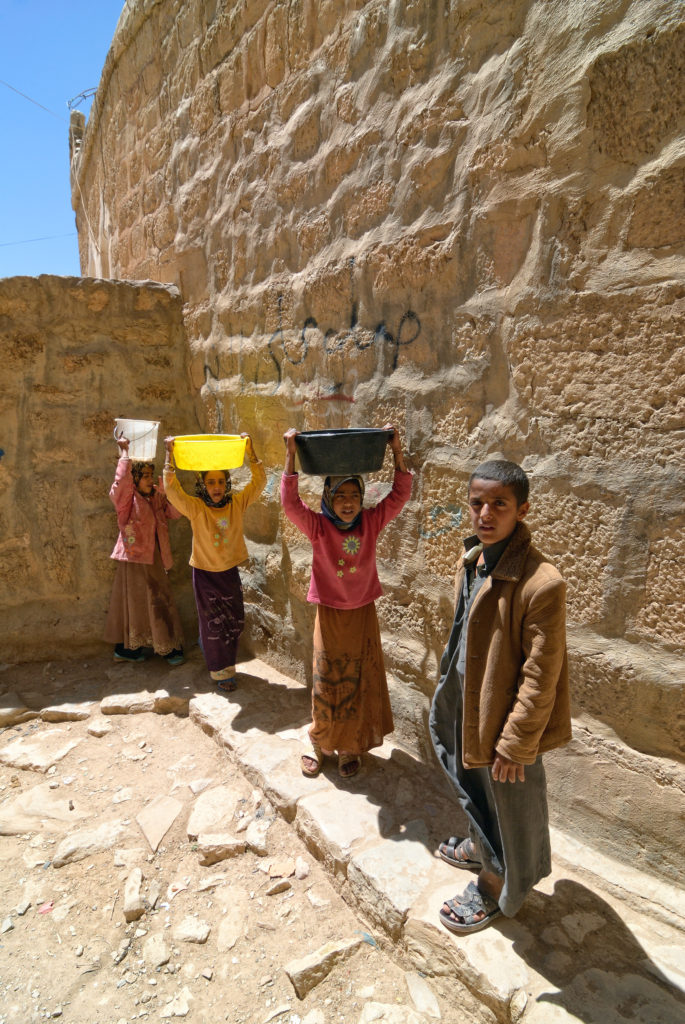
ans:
x=140 y=519
x=344 y=573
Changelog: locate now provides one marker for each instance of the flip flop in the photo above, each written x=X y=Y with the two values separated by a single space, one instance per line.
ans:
x=453 y=851
x=471 y=902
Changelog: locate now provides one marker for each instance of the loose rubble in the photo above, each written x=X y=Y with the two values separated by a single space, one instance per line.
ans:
x=177 y=892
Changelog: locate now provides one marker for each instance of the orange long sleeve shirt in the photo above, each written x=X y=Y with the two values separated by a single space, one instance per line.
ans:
x=218 y=541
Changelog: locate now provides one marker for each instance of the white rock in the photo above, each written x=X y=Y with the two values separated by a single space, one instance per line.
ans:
x=207 y=884
x=99 y=727
x=198 y=786
x=13 y=710
x=208 y=973
x=255 y=836
x=307 y=971
x=179 y=1005
x=301 y=868
x=316 y=1016
x=316 y=901
x=40 y=751
x=40 y=808
x=213 y=811
x=231 y=929
x=217 y=847
x=122 y=795
x=153 y=893
x=127 y=703
x=6 y=926
x=422 y=995
x=281 y=885
x=23 y=907
x=128 y=858
x=87 y=842
x=68 y=712
x=157 y=817
x=155 y=951
x=133 y=900
x=192 y=929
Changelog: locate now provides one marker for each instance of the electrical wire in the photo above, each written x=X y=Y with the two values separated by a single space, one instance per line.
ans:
x=35 y=102
x=45 y=238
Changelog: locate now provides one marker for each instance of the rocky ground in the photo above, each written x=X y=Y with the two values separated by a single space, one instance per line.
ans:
x=143 y=878
x=162 y=856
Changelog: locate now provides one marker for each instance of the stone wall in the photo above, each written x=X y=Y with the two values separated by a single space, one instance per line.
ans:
x=462 y=216
x=75 y=354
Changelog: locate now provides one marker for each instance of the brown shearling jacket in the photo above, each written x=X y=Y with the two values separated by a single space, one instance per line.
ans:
x=516 y=688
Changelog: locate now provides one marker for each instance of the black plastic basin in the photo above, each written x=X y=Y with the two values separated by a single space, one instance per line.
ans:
x=339 y=452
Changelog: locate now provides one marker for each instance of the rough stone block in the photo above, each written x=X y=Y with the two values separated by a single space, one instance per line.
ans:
x=307 y=972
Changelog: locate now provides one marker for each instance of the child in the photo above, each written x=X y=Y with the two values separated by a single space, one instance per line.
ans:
x=350 y=703
x=502 y=701
x=142 y=612
x=216 y=518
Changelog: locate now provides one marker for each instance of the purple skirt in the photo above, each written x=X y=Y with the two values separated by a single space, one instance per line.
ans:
x=221 y=614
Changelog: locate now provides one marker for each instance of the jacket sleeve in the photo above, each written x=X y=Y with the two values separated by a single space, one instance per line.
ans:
x=544 y=645
x=394 y=502
x=255 y=486
x=182 y=502
x=122 y=492
x=295 y=509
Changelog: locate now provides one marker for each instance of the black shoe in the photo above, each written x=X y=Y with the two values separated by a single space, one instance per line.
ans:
x=175 y=657
x=122 y=653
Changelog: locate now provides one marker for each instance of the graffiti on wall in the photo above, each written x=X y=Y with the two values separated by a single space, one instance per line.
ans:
x=284 y=350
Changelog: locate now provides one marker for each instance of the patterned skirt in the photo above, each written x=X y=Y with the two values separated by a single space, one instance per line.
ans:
x=221 y=615
x=350 y=701
x=142 y=611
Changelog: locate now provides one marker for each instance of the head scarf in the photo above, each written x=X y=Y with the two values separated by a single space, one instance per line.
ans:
x=137 y=470
x=201 y=490
x=330 y=486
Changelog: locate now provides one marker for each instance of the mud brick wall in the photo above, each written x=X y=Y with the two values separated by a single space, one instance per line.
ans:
x=465 y=217
x=74 y=354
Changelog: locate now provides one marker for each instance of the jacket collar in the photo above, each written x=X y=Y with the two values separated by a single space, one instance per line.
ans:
x=512 y=559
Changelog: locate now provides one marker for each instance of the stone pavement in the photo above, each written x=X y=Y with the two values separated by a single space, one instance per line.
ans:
x=596 y=942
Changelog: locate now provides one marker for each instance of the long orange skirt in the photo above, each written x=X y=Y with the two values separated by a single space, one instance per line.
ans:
x=350 y=702
x=142 y=611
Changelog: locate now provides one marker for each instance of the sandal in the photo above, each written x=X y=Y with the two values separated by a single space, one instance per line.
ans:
x=315 y=755
x=473 y=901
x=455 y=851
x=348 y=765
x=225 y=679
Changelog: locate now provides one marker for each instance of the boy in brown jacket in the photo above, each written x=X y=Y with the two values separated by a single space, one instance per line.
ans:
x=502 y=701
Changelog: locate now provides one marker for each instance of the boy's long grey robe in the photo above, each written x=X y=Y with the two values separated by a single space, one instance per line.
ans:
x=508 y=822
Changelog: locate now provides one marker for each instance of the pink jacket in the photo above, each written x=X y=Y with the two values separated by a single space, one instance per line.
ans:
x=140 y=519
x=344 y=573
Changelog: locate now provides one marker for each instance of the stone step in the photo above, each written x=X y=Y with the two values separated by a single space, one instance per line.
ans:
x=593 y=937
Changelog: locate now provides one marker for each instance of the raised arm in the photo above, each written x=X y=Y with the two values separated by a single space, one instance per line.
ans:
x=258 y=481
x=173 y=490
x=290 y=448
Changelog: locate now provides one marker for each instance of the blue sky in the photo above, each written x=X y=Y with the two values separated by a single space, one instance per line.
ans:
x=52 y=52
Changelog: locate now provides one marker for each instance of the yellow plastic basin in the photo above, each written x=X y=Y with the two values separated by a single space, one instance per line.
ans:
x=209 y=451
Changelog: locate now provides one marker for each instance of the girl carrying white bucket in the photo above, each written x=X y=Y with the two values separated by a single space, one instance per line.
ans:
x=142 y=612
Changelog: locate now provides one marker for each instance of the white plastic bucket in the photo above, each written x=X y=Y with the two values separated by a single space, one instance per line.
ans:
x=142 y=436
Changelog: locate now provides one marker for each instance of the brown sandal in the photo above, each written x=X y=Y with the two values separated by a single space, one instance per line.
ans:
x=348 y=765
x=316 y=755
